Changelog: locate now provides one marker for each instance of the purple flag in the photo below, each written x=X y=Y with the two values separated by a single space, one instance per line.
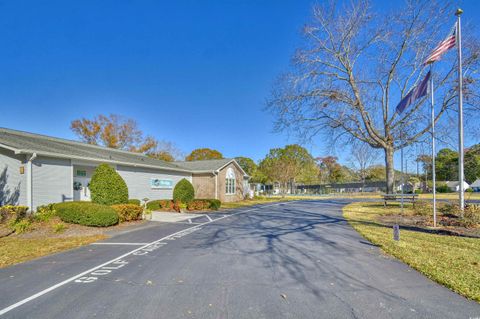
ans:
x=414 y=94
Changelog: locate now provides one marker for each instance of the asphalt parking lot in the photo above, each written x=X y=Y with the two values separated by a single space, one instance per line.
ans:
x=288 y=260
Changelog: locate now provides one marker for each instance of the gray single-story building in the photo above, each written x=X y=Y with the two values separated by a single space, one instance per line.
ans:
x=454 y=186
x=37 y=170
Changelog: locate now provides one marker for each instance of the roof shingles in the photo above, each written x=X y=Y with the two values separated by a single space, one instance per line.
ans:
x=25 y=142
x=206 y=165
x=46 y=145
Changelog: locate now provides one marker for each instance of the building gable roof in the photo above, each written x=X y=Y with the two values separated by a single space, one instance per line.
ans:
x=27 y=143
x=476 y=183
x=453 y=184
x=208 y=165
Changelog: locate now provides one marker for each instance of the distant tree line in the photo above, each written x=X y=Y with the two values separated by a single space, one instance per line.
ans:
x=446 y=164
x=288 y=166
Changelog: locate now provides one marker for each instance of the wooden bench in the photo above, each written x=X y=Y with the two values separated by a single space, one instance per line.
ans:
x=407 y=198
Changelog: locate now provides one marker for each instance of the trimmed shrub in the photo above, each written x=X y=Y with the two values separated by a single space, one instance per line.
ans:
x=183 y=191
x=135 y=202
x=423 y=208
x=471 y=216
x=20 y=226
x=450 y=208
x=198 y=204
x=160 y=204
x=214 y=203
x=176 y=205
x=107 y=187
x=45 y=213
x=15 y=213
x=155 y=204
x=442 y=188
x=202 y=204
x=128 y=212
x=59 y=227
x=87 y=214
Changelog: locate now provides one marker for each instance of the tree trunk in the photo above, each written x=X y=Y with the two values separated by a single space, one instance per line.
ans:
x=389 y=169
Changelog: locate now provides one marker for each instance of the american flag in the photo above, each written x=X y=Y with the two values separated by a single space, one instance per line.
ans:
x=443 y=46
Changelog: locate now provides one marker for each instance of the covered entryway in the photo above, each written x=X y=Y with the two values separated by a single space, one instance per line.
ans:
x=81 y=182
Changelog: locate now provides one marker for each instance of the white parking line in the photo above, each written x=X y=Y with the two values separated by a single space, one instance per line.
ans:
x=66 y=281
x=209 y=218
x=127 y=244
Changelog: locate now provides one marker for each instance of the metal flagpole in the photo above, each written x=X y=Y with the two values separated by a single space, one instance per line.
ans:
x=401 y=160
x=434 y=191
x=460 y=112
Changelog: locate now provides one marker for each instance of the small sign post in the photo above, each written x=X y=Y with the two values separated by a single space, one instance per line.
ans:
x=396 y=232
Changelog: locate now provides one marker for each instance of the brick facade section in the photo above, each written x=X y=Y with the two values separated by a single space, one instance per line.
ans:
x=204 y=185
x=222 y=196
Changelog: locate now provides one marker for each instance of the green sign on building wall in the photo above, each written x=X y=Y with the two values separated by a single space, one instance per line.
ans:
x=158 y=183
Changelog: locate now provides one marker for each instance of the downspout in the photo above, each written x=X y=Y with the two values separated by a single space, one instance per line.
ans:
x=30 y=182
x=216 y=183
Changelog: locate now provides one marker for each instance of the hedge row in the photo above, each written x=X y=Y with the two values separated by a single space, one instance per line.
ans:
x=86 y=213
x=197 y=204
x=128 y=212
x=163 y=204
x=214 y=204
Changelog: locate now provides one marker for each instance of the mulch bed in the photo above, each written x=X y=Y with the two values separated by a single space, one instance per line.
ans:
x=43 y=229
x=446 y=224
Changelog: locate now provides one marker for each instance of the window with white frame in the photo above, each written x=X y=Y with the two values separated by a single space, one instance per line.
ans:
x=230 y=182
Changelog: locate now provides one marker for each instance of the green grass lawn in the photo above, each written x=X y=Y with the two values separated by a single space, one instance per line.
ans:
x=256 y=201
x=452 y=196
x=450 y=260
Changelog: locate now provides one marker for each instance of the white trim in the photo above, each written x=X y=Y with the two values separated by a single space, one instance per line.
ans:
x=83 y=163
x=71 y=182
x=216 y=185
x=96 y=160
x=30 y=181
x=15 y=150
x=235 y=162
x=219 y=169
x=126 y=244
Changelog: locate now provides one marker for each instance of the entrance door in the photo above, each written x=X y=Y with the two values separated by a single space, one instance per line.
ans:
x=80 y=188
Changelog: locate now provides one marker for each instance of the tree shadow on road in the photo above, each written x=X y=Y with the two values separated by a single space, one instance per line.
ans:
x=296 y=243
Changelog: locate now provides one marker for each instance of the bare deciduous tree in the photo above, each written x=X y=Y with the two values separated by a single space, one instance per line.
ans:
x=356 y=66
x=362 y=157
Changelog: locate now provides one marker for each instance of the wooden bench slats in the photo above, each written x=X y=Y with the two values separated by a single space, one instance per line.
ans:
x=410 y=198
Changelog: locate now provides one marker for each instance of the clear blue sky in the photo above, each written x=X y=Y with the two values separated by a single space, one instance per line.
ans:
x=196 y=73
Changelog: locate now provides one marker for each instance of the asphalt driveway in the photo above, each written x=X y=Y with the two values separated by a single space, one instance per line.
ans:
x=290 y=260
